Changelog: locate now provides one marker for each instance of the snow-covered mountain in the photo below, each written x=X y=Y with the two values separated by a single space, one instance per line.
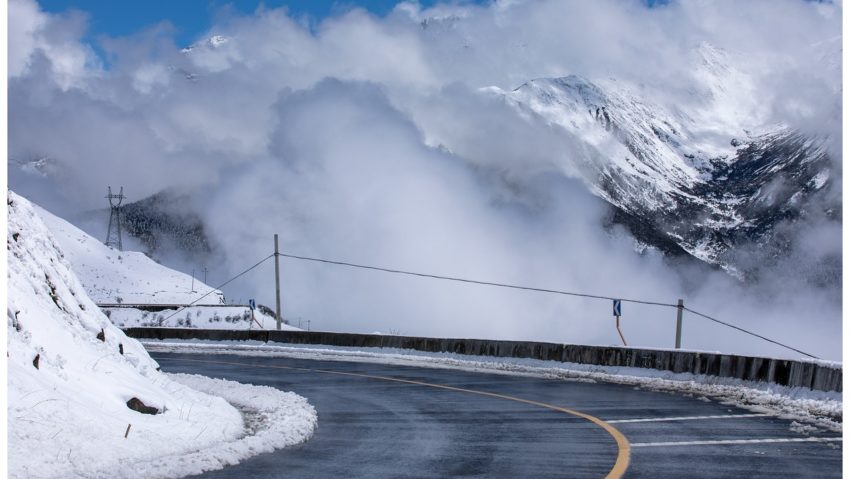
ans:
x=212 y=43
x=111 y=276
x=114 y=277
x=163 y=223
x=703 y=177
x=701 y=180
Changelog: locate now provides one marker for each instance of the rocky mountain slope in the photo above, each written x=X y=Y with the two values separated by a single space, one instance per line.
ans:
x=703 y=178
x=165 y=221
x=694 y=182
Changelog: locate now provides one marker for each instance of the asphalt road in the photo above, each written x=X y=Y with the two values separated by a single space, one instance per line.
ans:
x=380 y=421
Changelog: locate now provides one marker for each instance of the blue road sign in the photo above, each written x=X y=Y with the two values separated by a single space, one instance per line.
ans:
x=252 y=304
x=618 y=310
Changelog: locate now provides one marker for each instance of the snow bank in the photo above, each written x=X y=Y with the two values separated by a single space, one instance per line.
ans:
x=818 y=407
x=111 y=276
x=67 y=389
x=274 y=419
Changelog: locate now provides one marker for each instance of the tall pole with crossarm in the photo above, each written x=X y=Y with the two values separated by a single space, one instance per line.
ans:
x=113 y=233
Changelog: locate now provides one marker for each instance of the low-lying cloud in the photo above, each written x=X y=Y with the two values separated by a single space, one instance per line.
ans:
x=368 y=139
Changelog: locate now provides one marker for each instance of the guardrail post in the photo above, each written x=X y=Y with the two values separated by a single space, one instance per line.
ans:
x=277 y=281
x=679 y=307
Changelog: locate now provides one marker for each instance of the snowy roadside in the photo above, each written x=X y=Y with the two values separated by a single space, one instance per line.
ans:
x=274 y=419
x=183 y=440
x=85 y=400
x=209 y=317
x=818 y=407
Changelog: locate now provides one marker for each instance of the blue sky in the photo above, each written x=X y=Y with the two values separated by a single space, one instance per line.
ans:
x=191 y=18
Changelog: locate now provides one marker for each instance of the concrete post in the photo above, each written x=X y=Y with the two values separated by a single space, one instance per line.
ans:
x=277 y=281
x=679 y=307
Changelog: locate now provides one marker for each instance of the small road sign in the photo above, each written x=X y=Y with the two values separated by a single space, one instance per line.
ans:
x=252 y=304
x=618 y=310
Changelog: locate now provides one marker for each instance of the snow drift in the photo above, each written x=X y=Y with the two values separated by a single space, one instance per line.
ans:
x=71 y=374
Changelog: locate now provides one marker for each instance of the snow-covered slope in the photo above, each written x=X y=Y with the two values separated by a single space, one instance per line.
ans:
x=68 y=388
x=69 y=413
x=115 y=277
x=702 y=177
x=111 y=276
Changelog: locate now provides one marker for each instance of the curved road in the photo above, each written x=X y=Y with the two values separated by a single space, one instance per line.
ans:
x=396 y=421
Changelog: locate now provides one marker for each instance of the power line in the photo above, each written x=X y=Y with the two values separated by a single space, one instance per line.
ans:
x=491 y=283
x=472 y=281
x=541 y=290
x=258 y=263
x=749 y=332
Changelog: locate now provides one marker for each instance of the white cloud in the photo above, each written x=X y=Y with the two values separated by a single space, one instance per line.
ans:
x=369 y=139
x=27 y=21
x=33 y=32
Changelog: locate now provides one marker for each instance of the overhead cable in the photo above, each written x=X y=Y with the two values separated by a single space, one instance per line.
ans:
x=749 y=332
x=541 y=290
x=217 y=288
x=472 y=281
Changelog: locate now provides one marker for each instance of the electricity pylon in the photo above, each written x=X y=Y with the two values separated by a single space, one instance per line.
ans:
x=113 y=234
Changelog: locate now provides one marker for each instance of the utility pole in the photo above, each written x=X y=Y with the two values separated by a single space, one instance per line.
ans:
x=277 y=281
x=113 y=232
x=205 y=274
x=679 y=307
x=193 y=280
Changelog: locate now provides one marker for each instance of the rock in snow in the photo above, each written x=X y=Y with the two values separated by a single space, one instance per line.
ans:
x=68 y=417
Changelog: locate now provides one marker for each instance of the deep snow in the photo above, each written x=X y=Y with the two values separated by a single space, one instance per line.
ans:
x=68 y=417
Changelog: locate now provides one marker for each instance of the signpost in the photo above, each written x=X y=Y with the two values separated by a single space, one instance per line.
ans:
x=253 y=305
x=618 y=311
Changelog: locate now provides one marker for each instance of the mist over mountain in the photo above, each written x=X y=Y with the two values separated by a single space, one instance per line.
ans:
x=686 y=150
x=676 y=190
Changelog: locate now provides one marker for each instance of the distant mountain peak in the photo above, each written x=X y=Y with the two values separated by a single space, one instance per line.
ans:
x=677 y=176
x=212 y=43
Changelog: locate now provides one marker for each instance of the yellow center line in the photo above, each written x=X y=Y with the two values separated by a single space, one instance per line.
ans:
x=623 y=446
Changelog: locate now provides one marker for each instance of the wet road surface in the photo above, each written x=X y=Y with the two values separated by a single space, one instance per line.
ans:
x=395 y=421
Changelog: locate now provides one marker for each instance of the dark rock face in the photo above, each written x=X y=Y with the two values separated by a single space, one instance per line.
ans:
x=166 y=220
x=676 y=196
x=773 y=180
x=137 y=405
